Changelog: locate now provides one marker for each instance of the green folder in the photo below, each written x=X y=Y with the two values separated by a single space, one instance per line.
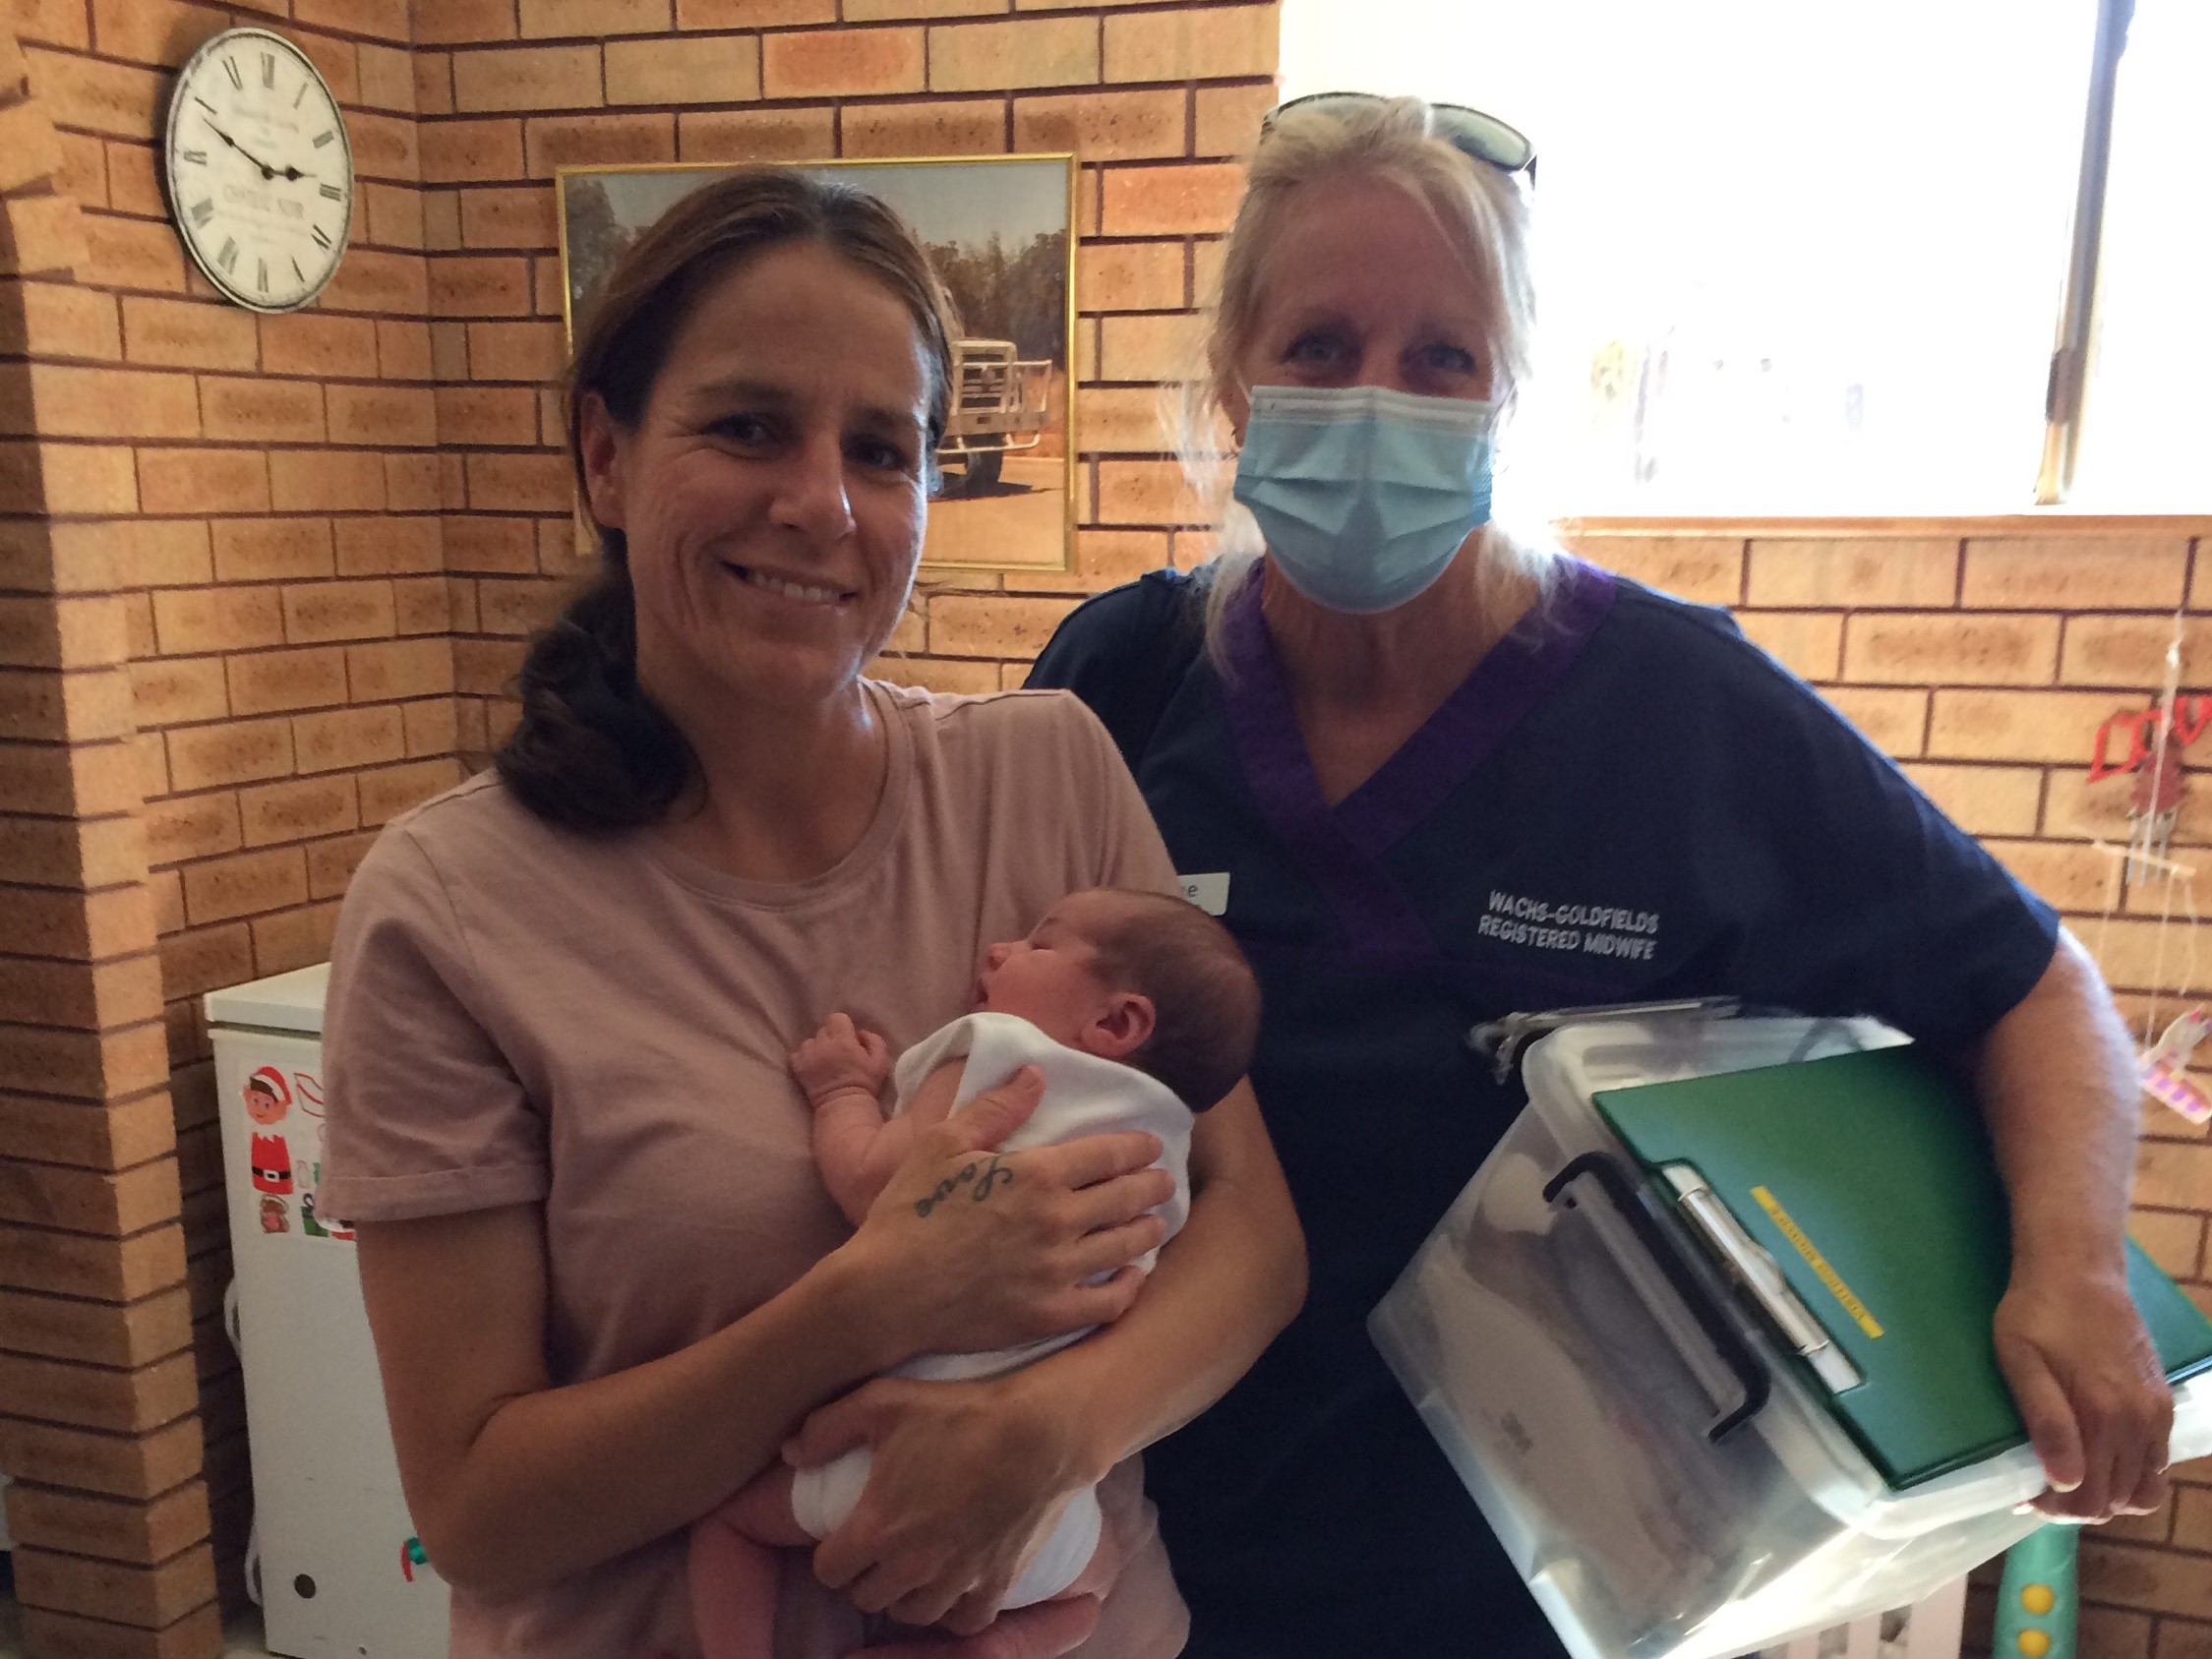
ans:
x=1869 y=1179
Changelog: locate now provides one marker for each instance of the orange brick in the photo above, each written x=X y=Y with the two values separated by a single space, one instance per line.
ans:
x=458 y=151
x=593 y=19
x=1226 y=119
x=2068 y=875
x=33 y=154
x=1129 y=275
x=238 y=752
x=752 y=14
x=2175 y=1240
x=255 y=549
x=757 y=135
x=486 y=667
x=2047 y=726
x=415 y=483
x=64 y=320
x=298 y=810
x=481 y=287
x=1123 y=419
x=83 y=997
x=1147 y=492
x=2075 y=573
x=187 y=334
x=348 y=738
x=75 y=402
x=978 y=625
x=294 y=939
x=168 y=690
x=465 y=21
x=395 y=284
x=508 y=218
x=116 y=101
x=68 y=478
x=1809 y=643
x=340 y=610
x=434 y=90
x=381 y=546
x=335 y=60
x=190 y=826
x=942 y=126
x=304 y=342
x=2128 y=653
x=387 y=19
x=505 y=417
x=718 y=70
x=64 y=1264
x=325 y=480
x=2074 y=806
x=128 y=1335
x=1918 y=572
x=278 y=681
x=1025 y=52
x=392 y=216
x=191 y=620
x=204 y=959
x=161 y=32
x=202 y=481
x=389 y=415
x=1180 y=199
x=1213 y=43
x=1982 y=800
x=1708 y=569
x=87 y=1525
x=403 y=351
x=411 y=667
x=833 y=63
x=1894 y=721
x=258 y=410
x=99 y=1397
x=1134 y=126
x=1104 y=559
x=587 y=141
x=388 y=78
x=430 y=725
x=1953 y=648
x=387 y=793
x=125 y=1466
x=517 y=606
x=330 y=863
x=1165 y=346
x=132 y=254
x=384 y=147
x=148 y=1597
x=218 y=889
x=515 y=351
x=539 y=483
x=936 y=674
x=419 y=605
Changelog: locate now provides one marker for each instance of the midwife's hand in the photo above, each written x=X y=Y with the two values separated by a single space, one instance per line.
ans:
x=980 y=1249
x=2090 y=1388
x=965 y=1480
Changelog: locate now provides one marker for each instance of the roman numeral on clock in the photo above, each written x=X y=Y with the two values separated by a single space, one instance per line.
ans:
x=322 y=237
x=198 y=156
x=296 y=271
x=203 y=210
x=331 y=193
x=261 y=275
x=231 y=67
x=269 y=69
x=228 y=257
x=325 y=137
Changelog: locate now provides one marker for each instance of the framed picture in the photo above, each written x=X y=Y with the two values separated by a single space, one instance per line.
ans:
x=999 y=229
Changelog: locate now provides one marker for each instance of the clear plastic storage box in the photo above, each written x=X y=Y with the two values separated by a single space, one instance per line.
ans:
x=1589 y=1379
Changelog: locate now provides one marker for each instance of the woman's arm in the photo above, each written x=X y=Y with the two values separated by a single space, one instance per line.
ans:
x=2059 y=1085
x=515 y=1483
x=966 y=1473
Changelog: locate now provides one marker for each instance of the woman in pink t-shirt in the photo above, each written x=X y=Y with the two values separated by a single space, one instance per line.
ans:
x=606 y=1285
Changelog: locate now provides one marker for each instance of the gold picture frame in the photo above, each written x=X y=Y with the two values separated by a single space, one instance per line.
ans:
x=1001 y=229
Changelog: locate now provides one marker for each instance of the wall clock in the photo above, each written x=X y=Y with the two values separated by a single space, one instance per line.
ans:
x=259 y=169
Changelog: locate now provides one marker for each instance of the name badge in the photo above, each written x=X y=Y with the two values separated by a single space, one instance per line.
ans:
x=1210 y=893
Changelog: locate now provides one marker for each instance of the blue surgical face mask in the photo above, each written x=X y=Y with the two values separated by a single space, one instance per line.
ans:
x=1364 y=492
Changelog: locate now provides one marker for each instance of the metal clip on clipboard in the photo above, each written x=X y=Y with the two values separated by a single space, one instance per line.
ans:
x=1501 y=1040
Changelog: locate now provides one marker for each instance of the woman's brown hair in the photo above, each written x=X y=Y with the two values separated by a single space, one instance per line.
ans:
x=591 y=753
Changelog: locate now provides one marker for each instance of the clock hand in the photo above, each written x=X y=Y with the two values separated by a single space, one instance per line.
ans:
x=267 y=172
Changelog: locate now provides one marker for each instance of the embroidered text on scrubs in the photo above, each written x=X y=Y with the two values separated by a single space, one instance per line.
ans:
x=1514 y=919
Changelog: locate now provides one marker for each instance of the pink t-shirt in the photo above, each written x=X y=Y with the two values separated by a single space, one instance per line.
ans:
x=519 y=1015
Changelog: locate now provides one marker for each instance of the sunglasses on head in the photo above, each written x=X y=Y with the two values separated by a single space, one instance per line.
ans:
x=1468 y=131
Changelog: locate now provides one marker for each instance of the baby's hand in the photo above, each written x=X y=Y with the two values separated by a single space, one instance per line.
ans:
x=841 y=1056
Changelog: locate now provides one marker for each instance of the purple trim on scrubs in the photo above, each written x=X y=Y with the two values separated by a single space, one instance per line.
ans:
x=1339 y=848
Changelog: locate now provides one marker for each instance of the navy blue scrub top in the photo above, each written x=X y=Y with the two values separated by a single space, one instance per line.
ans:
x=1625 y=799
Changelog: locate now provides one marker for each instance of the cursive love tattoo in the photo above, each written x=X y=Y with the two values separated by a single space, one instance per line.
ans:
x=979 y=1178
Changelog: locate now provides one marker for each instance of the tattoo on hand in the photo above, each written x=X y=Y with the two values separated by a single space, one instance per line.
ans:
x=981 y=1178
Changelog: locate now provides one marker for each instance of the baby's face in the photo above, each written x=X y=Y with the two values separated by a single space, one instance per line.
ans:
x=1051 y=977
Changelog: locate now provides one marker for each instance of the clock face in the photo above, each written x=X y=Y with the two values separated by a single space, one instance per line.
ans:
x=259 y=172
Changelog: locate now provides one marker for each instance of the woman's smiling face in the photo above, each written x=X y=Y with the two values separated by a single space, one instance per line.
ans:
x=772 y=493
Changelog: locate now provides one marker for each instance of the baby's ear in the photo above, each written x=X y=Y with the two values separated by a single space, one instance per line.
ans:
x=1122 y=1027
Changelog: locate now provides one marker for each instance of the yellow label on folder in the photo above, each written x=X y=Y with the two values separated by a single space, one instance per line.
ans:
x=1819 y=1262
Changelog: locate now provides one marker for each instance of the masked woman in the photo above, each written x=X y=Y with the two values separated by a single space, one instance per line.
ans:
x=1418 y=767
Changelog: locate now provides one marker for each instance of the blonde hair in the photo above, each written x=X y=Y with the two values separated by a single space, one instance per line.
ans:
x=1481 y=213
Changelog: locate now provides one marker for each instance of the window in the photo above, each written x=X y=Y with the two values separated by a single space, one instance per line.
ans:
x=1809 y=258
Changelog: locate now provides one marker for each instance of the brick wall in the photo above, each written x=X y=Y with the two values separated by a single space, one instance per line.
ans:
x=226 y=662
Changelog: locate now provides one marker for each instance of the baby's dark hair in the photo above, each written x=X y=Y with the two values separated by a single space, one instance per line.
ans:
x=1206 y=1003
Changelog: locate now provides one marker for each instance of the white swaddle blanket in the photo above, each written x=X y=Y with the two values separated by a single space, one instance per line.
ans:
x=1084 y=1094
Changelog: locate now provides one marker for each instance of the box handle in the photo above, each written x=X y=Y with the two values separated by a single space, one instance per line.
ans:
x=1734 y=1351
